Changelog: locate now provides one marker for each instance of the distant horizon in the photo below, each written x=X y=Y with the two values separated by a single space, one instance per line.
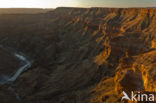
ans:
x=69 y=7
x=77 y=3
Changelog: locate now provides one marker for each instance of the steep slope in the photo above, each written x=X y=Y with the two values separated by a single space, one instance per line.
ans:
x=83 y=55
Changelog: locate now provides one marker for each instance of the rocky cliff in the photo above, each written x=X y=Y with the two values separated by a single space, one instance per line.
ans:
x=82 y=55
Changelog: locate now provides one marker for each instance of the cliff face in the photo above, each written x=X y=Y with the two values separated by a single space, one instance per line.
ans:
x=83 y=55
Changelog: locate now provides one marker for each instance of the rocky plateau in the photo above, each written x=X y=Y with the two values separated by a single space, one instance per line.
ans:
x=80 y=55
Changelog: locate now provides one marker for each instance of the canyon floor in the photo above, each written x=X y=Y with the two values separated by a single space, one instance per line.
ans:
x=78 y=55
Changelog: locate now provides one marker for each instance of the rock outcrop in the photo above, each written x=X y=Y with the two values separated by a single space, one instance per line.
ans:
x=83 y=55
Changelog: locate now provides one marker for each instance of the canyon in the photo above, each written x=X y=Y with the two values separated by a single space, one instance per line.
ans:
x=78 y=55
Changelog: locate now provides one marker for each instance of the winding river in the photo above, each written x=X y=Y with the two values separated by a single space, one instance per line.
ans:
x=27 y=64
x=21 y=69
x=6 y=79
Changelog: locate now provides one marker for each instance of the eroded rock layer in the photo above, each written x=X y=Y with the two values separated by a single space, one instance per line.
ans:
x=82 y=55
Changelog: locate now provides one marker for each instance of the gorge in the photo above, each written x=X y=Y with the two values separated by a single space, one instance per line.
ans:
x=78 y=55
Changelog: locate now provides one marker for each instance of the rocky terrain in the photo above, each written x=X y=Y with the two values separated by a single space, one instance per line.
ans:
x=79 y=55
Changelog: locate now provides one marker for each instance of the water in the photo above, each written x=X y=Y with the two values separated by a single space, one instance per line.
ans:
x=27 y=64
x=4 y=79
x=21 y=69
